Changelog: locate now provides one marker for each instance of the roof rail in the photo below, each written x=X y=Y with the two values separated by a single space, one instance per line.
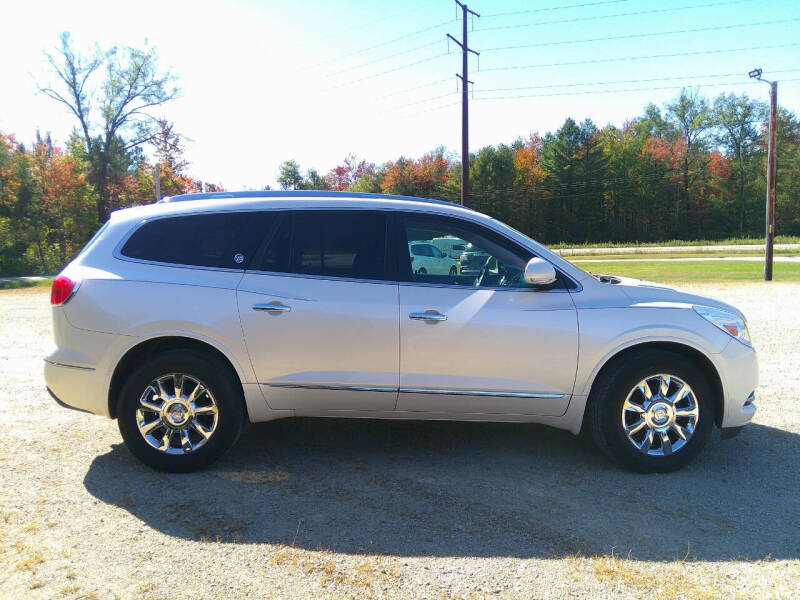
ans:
x=299 y=194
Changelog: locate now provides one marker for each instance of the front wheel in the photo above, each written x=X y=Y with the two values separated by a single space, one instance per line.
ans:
x=180 y=411
x=653 y=412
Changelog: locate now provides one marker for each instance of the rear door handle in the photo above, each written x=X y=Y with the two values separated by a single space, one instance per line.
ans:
x=273 y=308
x=428 y=316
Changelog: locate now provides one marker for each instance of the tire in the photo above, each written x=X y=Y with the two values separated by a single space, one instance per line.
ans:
x=422 y=271
x=141 y=403
x=617 y=397
x=453 y=271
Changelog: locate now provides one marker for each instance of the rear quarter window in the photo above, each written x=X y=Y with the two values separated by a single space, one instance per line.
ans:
x=92 y=241
x=218 y=240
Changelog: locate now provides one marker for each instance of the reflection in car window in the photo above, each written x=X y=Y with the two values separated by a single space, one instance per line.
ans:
x=421 y=250
x=472 y=256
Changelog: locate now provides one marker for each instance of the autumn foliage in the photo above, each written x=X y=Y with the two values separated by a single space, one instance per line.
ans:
x=47 y=201
x=659 y=176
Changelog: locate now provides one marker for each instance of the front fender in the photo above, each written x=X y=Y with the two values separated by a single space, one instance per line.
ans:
x=606 y=332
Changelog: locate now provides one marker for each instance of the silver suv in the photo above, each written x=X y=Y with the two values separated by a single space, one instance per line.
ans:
x=187 y=318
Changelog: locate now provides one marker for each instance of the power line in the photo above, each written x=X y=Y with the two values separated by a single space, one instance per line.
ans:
x=491 y=194
x=380 y=44
x=583 y=84
x=552 y=8
x=631 y=36
x=584 y=183
x=435 y=108
x=559 y=193
x=392 y=70
x=619 y=81
x=614 y=91
x=383 y=58
x=590 y=92
x=612 y=16
x=344 y=32
x=418 y=102
x=558 y=188
x=416 y=87
x=646 y=57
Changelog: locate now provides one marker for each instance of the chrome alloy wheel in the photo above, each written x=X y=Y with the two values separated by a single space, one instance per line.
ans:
x=660 y=415
x=177 y=414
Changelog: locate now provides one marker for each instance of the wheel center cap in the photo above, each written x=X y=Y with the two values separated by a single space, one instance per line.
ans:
x=659 y=414
x=177 y=414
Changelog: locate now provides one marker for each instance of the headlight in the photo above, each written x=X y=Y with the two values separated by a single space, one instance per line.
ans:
x=728 y=322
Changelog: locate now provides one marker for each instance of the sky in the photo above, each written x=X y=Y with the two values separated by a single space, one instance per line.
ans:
x=310 y=80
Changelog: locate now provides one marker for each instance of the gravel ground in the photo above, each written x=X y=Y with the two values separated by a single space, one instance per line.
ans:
x=331 y=509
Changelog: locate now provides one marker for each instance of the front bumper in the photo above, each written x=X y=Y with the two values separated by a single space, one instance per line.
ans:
x=738 y=369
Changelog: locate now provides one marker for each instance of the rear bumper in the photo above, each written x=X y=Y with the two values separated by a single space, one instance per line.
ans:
x=61 y=403
x=76 y=387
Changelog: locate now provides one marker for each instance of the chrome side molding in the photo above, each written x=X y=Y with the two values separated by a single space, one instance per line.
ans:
x=349 y=388
x=477 y=393
x=382 y=388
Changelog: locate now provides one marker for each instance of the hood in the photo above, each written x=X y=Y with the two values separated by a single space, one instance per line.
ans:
x=646 y=292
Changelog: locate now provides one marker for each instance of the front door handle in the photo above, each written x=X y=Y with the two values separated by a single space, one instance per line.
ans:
x=273 y=308
x=428 y=316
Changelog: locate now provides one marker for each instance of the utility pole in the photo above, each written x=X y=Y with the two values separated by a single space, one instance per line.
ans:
x=771 y=171
x=464 y=77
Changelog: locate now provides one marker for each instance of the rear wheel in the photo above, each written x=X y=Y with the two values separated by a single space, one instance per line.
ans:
x=653 y=412
x=453 y=271
x=180 y=411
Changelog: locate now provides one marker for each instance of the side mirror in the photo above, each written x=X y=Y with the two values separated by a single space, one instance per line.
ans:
x=539 y=272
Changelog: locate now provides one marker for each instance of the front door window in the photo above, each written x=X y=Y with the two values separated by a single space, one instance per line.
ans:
x=483 y=259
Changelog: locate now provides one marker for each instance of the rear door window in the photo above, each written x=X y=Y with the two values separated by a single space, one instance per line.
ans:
x=347 y=244
x=217 y=240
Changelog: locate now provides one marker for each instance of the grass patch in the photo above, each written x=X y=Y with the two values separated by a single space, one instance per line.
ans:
x=694 y=271
x=30 y=561
x=16 y=284
x=704 y=254
x=780 y=239
x=631 y=578
x=369 y=572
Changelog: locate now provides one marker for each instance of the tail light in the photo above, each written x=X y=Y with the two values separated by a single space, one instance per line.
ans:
x=63 y=289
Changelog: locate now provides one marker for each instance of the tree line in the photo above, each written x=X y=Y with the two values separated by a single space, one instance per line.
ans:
x=691 y=169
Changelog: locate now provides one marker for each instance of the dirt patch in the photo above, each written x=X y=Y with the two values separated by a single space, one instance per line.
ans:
x=333 y=509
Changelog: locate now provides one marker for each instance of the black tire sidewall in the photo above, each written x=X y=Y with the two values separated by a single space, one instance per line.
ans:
x=213 y=374
x=607 y=425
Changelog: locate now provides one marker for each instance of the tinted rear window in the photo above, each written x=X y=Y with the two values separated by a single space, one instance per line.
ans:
x=334 y=244
x=220 y=240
